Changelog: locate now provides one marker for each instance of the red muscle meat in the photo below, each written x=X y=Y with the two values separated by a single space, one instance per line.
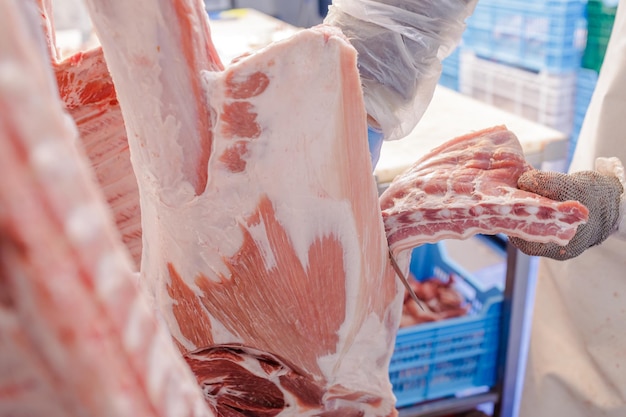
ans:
x=469 y=186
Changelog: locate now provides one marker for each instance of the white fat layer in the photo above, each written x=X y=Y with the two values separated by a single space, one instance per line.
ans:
x=157 y=368
x=292 y=183
x=531 y=209
x=153 y=96
x=12 y=78
x=85 y=223
x=353 y=367
x=135 y=332
x=50 y=158
x=504 y=210
x=260 y=233
x=220 y=333
x=111 y=275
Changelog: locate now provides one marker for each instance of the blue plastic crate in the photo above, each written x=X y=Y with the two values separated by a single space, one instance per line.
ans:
x=450 y=81
x=536 y=35
x=450 y=71
x=586 y=81
x=440 y=359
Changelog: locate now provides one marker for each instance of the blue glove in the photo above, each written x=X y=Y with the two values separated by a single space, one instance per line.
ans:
x=375 y=141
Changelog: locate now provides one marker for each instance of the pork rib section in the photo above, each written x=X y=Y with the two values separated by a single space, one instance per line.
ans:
x=86 y=88
x=468 y=186
x=76 y=337
x=283 y=251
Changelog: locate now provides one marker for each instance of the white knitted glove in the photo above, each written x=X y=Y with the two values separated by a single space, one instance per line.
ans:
x=601 y=191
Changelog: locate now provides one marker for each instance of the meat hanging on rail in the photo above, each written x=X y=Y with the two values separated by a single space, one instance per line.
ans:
x=265 y=286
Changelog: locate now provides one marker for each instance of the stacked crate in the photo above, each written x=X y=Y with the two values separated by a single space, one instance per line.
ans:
x=450 y=71
x=538 y=35
x=585 y=85
x=524 y=55
x=539 y=96
x=600 y=18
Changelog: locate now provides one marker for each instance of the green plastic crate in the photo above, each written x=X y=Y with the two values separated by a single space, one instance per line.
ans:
x=600 y=19
x=594 y=52
x=598 y=7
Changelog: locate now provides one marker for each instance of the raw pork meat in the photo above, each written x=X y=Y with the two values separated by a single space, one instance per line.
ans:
x=76 y=337
x=86 y=88
x=468 y=186
x=89 y=96
x=258 y=229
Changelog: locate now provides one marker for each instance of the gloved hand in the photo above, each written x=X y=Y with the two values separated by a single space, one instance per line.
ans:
x=600 y=191
x=401 y=44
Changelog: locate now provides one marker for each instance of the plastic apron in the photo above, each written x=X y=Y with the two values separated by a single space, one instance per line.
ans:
x=577 y=355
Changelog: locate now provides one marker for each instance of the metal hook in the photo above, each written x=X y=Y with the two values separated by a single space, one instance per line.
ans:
x=395 y=266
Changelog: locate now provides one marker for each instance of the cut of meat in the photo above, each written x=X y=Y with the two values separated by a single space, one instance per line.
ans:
x=87 y=90
x=229 y=373
x=76 y=337
x=275 y=241
x=469 y=186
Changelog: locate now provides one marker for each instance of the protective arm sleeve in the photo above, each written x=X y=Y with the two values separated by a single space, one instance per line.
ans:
x=401 y=44
x=601 y=191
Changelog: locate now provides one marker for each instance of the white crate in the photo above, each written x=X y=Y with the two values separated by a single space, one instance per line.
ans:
x=539 y=96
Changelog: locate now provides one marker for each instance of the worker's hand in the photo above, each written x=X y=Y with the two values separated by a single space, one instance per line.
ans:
x=401 y=44
x=600 y=192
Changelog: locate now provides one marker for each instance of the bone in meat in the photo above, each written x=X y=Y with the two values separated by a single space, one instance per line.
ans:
x=76 y=338
x=89 y=96
x=468 y=186
x=272 y=241
x=86 y=88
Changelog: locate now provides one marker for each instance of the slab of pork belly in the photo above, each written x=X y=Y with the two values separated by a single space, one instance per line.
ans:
x=468 y=186
x=76 y=337
x=261 y=224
